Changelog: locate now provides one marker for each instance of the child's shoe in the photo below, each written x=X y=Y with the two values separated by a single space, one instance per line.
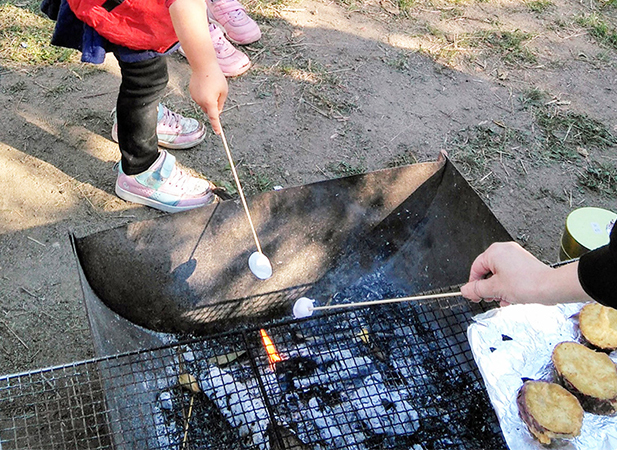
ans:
x=232 y=17
x=231 y=60
x=172 y=129
x=164 y=186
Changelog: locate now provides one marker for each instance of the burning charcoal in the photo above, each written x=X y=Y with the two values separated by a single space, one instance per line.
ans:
x=289 y=369
x=349 y=366
x=165 y=431
x=327 y=425
x=241 y=406
x=384 y=411
x=318 y=379
x=297 y=366
x=283 y=438
x=165 y=401
x=188 y=356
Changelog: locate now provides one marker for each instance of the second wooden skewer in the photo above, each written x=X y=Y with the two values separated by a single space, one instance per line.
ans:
x=304 y=305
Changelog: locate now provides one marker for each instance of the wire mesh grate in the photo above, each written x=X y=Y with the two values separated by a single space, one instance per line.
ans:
x=61 y=408
x=397 y=376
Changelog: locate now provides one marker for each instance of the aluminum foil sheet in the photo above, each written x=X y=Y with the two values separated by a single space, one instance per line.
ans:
x=515 y=343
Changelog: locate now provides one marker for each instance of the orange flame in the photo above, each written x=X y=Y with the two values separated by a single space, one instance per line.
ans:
x=273 y=355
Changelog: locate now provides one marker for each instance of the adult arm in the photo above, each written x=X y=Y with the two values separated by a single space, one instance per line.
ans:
x=507 y=273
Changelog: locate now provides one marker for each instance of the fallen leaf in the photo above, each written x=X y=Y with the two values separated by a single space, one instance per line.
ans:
x=188 y=382
x=222 y=360
x=582 y=151
x=364 y=336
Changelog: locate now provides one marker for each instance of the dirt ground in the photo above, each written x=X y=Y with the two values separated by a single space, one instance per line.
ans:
x=335 y=88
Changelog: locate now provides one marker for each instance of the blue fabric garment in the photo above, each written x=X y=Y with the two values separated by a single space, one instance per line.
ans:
x=70 y=32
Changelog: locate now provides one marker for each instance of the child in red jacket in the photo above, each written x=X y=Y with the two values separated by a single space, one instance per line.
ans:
x=141 y=33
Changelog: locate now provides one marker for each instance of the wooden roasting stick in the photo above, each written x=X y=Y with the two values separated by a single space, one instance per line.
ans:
x=309 y=308
x=388 y=300
x=240 y=191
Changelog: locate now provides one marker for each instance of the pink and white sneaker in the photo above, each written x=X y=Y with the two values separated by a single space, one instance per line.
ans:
x=172 y=129
x=231 y=60
x=165 y=187
x=232 y=17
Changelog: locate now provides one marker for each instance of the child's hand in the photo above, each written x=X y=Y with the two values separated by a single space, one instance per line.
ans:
x=209 y=90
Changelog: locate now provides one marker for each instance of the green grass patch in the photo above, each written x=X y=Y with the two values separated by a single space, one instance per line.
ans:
x=482 y=145
x=476 y=150
x=451 y=13
x=600 y=177
x=533 y=98
x=406 y=5
x=34 y=6
x=329 y=102
x=599 y=29
x=566 y=132
x=406 y=157
x=399 y=62
x=304 y=70
x=344 y=169
x=539 y=6
x=16 y=88
x=510 y=45
x=253 y=181
x=257 y=181
x=25 y=37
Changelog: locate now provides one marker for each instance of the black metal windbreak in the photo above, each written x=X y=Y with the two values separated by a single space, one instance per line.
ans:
x=421 y=225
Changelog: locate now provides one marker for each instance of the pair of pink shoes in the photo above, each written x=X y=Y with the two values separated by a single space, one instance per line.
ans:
x=230 y=22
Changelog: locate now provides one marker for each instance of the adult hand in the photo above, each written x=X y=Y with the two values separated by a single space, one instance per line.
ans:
x=507 y=273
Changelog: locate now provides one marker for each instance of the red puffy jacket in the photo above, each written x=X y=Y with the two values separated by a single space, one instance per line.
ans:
x=136 y=24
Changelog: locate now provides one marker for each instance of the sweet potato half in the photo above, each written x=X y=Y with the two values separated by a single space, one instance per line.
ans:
x=598 y=325
x=549 y=411
x=591 y=376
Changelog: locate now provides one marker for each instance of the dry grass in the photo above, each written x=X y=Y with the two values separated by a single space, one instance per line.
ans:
x=24 y=39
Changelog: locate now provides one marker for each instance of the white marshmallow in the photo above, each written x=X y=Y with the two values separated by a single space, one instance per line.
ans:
x=260 y=266
x=303 y=307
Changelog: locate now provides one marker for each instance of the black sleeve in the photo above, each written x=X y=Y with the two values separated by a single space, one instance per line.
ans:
x=597 y=272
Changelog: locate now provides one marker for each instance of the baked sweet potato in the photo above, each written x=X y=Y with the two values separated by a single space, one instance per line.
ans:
x=549 y=411
x=598 y=325
x=591 y=376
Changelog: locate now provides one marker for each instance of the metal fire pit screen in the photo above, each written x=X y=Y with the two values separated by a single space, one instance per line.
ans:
x=171 y=300
x=391 y=377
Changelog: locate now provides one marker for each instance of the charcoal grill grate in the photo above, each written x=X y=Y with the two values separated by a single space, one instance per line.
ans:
x=56 y=408
x=397 y=376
